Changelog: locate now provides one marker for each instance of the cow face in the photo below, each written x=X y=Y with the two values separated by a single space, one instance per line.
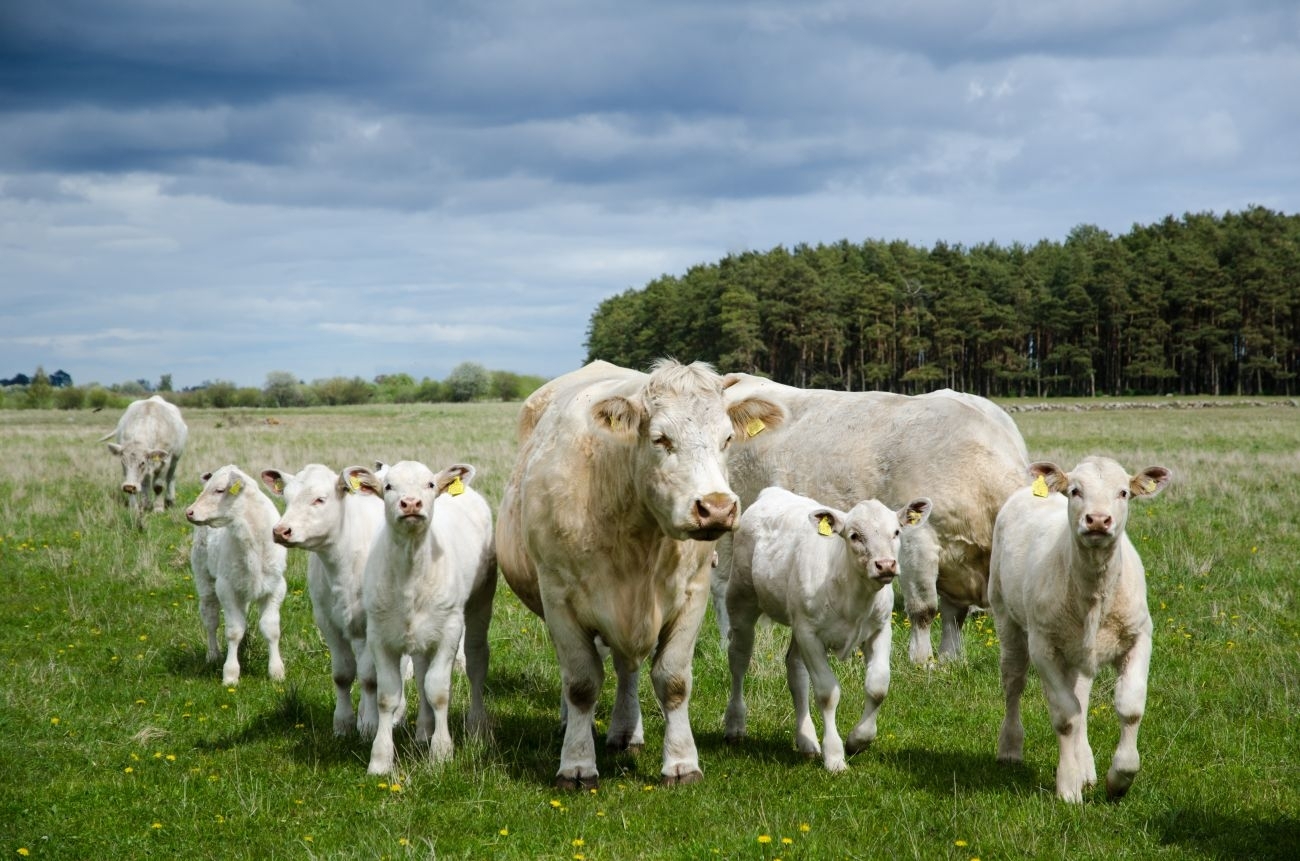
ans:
x=410 y=489
x=1098 y=491
x=222 y=492
x=314 y=500
x=681 y=430
x=872 y=533
x=142 y=467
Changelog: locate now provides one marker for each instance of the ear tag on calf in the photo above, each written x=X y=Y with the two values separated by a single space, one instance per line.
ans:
x=1148 y=485
x=615 y=424
x=278 y=485
x=824 y=526
x=1040 y=487
x=235 y=488
x=754 y=427
x=354 y=483
x=457 y=487
x=913 y=518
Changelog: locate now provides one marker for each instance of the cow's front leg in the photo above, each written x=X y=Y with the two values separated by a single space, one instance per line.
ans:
x=826 y=687
x=236 y=624
x=581 y=673
x=952 y=617
x=435 y=694
x=671 y=676
x=388 y=677
x=626 y=732
x=875 y=652
x=1063 y=705
x=268 y=622
x=1130 y=704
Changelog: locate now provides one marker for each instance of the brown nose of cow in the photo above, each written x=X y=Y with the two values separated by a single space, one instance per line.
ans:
x=1097 y=522
x=410 y=505
x=189 y=514
x=130 y=488
x=886 y=567
x=281 y=533
x=716 y=511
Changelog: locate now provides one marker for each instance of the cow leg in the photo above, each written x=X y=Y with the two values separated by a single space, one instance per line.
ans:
x=719 y=579
x=268 y=622
x=918 y=578
x=826 y=687
x=1013 y=663
x=1083 y=750
x=671 y=675
x=581 y=674
x=343 y=669
x=388 y=678
x=875 y=653
x=368 y=707
x=477 y=650
x=236 y=624
x=796 y=678
x=626 y=732
x=435 y=693
x=1130 y=704
x=1059 y=683
x=740 y=649
x=209 y=610
x=952 y=617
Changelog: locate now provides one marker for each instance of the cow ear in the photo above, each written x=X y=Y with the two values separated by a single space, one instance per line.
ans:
x=274 y=481
x=158 y=455
x=453 y=479
x=730 y=380
x=827 y=521
x=114 y=448
x=204 y=477
x=1048 y=476
x=617 y=415
x=752 y=416
x=358 y=479
x=914 y=513
x=1149 y=481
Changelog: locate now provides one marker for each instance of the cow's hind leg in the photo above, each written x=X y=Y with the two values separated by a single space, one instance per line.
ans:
x=626 y=732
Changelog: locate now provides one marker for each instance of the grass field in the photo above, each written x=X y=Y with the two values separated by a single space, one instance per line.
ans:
x=118 y=741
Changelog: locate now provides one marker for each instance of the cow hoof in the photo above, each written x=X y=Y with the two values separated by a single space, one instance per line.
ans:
x=577 y=783
x=734 y=738
x=629 y=748
x=683 y=778
x=854 y=747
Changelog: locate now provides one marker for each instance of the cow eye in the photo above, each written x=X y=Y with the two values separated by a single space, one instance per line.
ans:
x=1123 y=494
x=431 y=485
x=387 y=488
x=320 y=500
x=1075 y=492
x=664 y=443
x=727 y=442
x=897 y=532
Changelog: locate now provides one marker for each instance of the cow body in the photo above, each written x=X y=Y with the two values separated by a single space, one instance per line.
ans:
x=236 y=564
x=429 y=581
x=826 y=575
x=606 y=529
x=336 y=522
x=843 y=447
x=1068 y=592
x=149 y=440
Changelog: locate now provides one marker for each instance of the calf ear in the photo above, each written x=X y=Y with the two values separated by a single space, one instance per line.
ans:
x=827 y=521
x=1149 y=481
x=752 y=416
x=204 y=477
x=914 y=513
x=453 y=479
x=618 y=416
x=1053 y=477
x=274 y=481
x=358 y=479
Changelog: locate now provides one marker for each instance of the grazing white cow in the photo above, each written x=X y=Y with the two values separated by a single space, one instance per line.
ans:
x=1069 y=593
x=606 y=530
x=149 y=440
x=843 y=447
x=826 y=575
x=235 y=564
x=430 y=580
x=335 y=517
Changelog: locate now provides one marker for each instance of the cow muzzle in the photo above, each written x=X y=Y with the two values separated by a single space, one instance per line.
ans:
x=884 y=570
x=715 y=515
x=130 y=489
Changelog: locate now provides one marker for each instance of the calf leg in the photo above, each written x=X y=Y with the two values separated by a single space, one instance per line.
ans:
x=740 y=649
x=268 y=622
x=478 y=616
x=236 y=625
x=1130 y=704
x=388 y=677
x=626 y=732
x=953 y=617
x=875 y=652
x=435 y=694
x=368 y=710
x=1059 y=683
x=796 y=678
x=827 y=688
x=1013 y=664
x=343 y=669
x=209 y=610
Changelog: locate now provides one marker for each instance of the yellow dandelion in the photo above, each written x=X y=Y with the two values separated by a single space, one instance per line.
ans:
x=555 y=803
x=307 y=838
x=129 y=770
x=54 y=721
x=157 y=826
x=171 y=757
x=804 y=827
x=22 y=850
x=396 y=787
x=763 y=838
x=577 y=841
x=959 y=843
x=786 y=841
x=504 y=832
x=402 y=841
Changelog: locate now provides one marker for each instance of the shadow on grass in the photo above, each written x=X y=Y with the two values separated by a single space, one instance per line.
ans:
x=940 y=770
x=1218 y=835
x=304 y=725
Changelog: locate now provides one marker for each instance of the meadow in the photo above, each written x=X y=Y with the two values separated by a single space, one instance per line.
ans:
x=117 y=740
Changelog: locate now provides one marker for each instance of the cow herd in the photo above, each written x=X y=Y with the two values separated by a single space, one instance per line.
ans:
x=633 y=497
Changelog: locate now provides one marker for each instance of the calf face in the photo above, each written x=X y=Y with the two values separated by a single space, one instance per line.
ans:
x=409 y=489
x=222 y=491
x=1098 y=491
x=872 y=533
x=313 y=504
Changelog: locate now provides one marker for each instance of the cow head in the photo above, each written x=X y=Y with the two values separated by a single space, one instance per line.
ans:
x=872 y=533
x=314 y=499
x=681 y=429
x=409 y=490
x=140 y=465
x=1098 y=491
x=222 y=494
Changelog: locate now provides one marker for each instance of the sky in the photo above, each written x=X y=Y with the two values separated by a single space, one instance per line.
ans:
x=220 y=190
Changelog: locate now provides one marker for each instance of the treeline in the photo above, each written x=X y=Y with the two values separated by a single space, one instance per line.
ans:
x=1198 y=305
x=468 y=381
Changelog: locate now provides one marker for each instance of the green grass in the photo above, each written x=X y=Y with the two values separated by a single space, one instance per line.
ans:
x=118 y=741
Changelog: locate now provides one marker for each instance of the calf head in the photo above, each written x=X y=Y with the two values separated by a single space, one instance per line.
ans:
x=314 y=499
x=680 y=429
x=141 y=465
x=409 y=490
x=220 y=498
x=872 y=533
x=1098 y=491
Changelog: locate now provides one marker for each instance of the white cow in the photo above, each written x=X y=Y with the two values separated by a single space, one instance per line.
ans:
x=826 y=575
x=149 y=440
x=430 y=580
x=842 y=447
x=1069 y=593
x=235 y=564
x=335 y=517
x=606 y=530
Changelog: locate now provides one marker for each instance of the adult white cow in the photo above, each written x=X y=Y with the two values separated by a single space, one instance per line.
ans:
x=1069 y=593
x=335 y=517
x=236 y=564
x=826 y=575
x=606 y=529
x=149 y=440
x=843 y=447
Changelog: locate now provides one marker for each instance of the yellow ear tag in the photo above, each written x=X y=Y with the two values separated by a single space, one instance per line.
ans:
x=354 y=483
x=279 y=486
x=235 y=489
x=1040 y=487
x=1148 y=486
x=913 y=518
x=615 y=424
x=824 y=526
x=754 y=427
x=457 y=487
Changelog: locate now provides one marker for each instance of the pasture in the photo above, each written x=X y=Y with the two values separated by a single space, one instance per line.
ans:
x=118 y=740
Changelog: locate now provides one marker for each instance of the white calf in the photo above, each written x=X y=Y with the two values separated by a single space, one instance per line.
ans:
x=336 y=520
x=834 y=593
x=235 y=563
x=429 y=581
x=1068 y=591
